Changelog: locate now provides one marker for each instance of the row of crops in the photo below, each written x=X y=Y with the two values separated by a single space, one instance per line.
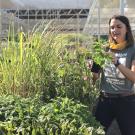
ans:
x=42 y=85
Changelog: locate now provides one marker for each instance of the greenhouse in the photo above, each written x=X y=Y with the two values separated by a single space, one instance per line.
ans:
x=45 y=84
x=89 y=16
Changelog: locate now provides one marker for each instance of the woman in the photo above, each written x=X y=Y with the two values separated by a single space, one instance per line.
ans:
x=117 y=98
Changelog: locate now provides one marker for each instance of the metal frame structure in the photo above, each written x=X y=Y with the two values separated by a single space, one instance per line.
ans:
x=92 y=21
x=49 y=13
x=71 y=19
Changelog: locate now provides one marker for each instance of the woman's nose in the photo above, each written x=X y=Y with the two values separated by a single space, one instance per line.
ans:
x=115 y=29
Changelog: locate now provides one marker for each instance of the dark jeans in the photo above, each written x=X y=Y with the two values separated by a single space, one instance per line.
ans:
x=121 y=108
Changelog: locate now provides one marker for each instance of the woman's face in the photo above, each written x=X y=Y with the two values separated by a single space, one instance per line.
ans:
x=118 y=30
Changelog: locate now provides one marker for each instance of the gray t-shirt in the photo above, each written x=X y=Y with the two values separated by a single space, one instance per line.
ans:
x=112 y=80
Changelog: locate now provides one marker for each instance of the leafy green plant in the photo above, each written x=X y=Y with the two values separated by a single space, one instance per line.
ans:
x=61 y=116
x=100 y=55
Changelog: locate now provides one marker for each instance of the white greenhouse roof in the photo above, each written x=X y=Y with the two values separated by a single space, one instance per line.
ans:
x=45 y=4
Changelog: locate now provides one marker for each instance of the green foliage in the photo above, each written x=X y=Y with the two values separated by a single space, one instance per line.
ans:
x=52 y=65
x=45 y=62
x=61 y=116
x=99 y=52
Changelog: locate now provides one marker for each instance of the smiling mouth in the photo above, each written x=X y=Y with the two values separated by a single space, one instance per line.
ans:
x=116 y=34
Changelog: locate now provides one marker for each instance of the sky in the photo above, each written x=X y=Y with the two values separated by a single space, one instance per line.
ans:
x=53 y=3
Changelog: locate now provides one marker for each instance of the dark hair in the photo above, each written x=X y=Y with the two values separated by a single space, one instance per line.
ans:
x=129 y=35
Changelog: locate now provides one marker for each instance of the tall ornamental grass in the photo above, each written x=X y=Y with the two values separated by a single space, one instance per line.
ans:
x=47 y=62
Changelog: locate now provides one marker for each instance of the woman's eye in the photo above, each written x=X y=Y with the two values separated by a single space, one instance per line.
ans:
x=112 y=27
x=119 y=27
